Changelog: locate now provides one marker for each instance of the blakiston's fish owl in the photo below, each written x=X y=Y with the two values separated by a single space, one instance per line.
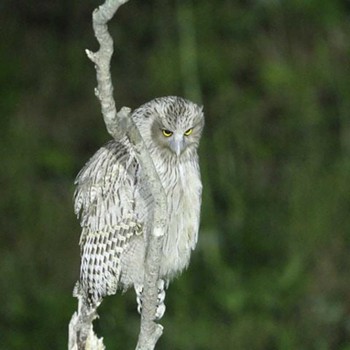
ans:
x=115 y=205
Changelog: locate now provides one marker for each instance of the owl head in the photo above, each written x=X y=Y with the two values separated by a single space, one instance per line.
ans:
x=170 y=125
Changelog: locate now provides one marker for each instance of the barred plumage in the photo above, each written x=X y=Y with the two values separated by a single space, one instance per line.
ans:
x=116 y=206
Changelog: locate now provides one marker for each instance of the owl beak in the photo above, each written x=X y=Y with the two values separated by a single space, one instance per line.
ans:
x=177 y=144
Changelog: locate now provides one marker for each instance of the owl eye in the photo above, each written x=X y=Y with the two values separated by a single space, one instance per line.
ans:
x=188 y=132
x=167 y=133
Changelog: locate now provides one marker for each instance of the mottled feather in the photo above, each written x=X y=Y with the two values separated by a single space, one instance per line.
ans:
x=115 y=205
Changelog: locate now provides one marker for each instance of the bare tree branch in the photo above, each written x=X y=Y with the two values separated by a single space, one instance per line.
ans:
x=102 y=60
x=81 y=335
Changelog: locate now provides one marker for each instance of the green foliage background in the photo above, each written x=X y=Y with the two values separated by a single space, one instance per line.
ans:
x=272 y=266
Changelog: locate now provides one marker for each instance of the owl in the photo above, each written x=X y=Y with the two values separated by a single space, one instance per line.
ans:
x=115 y=205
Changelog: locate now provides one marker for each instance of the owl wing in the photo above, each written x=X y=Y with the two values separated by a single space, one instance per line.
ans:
x=113 y=207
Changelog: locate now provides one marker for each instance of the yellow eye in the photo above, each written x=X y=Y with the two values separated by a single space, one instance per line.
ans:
x=167 y=133
x=188 y=132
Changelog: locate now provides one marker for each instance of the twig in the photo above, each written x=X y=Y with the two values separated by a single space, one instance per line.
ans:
x=102 y=60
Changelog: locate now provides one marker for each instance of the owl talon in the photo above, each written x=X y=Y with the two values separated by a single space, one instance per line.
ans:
x=139 y=307
x=160 y=285
x=160 y=311
x=160 y=299
x=139 y=290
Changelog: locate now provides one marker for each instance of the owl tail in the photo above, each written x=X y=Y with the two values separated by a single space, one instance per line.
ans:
x=87 y=299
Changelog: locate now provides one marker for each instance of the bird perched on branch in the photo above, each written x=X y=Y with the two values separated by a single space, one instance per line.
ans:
x=115 y=205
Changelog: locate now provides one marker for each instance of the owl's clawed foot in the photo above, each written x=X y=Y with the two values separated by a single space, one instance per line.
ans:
x=139 y=290
x=160 y=299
